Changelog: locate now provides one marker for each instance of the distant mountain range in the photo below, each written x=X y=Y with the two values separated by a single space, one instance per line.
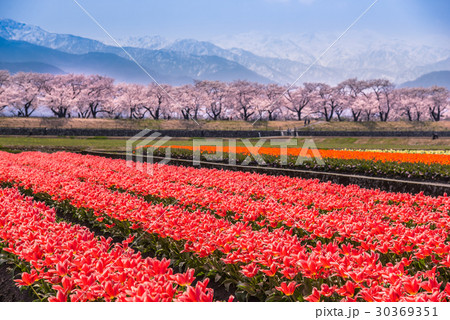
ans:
x=437 y=78
x=250 y=57
x=37 y=67
x=24 y=43
x=18 y=53
x=361 y=53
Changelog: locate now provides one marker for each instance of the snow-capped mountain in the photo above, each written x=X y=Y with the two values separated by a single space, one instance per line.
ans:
x=13 y=30
x=362 y=54
x=259 y=57
x=281 y=47
x=306 y=47
x=21 y=56
x=147 y=42
x=170 y=66
x=276 y=69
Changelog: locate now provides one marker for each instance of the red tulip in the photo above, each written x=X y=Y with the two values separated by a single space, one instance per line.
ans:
x=288 y=289
x=272 y=271
x=314 y=297
x=250 y=270
x=60 y=297
x=185 y=278
x=412 y=286
x=347 y=290
x=28 y=278
x=326 y=290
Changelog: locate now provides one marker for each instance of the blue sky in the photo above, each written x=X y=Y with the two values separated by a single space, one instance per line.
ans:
x=204 y=19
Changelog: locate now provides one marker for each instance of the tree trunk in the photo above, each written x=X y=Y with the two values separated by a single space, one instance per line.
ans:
x=155 y=115
x=436 y=115
x=383 y=116
x=271 y=115
x=246 y=114
x=356 y=115
x=93 y=107
x=26 y=111
x=83 y=115
x=408 y=113
x=418 y=115
x=328 y=115
x=60 y=112
x=185 y=113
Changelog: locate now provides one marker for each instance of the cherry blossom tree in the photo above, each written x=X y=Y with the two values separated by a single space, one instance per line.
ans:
x=112 y=106
x=95 y=96
x=245 y=94
x=157 y=100
x=190 y=100
x=300 y=99
x=439 y=102
x=273 y=101
x=326 y=100
x=62 y=94
x=368 y=102
x=262 y=104
x=4 y=78
x=341 y=102
x=24 y=91
x=413 y=103
x=131 y=99
x=217 y=98
x=4 y=83
x=354 y=97
x=383 y=91
x=92 y=101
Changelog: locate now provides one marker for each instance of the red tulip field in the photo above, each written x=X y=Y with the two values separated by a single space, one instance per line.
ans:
x=87 y=228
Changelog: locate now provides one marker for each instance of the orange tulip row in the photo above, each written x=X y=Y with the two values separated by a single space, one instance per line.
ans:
x=443 y=159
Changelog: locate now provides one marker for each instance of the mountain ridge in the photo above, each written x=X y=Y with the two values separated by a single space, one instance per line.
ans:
x=435 y=78
x=177 y=68
x=31 y=66
x=184 y=60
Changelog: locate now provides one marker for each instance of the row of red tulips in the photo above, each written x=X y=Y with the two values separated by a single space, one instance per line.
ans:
x=63 y=262
x=255 y=195
x=380 y=225
x=276 y=255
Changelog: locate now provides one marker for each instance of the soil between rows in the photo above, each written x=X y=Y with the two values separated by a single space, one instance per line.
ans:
x=9 y=292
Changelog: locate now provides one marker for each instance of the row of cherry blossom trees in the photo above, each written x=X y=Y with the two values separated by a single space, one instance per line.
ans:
x=94 y=96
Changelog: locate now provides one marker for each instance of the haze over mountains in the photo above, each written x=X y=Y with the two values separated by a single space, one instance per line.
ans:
x=251 y=56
